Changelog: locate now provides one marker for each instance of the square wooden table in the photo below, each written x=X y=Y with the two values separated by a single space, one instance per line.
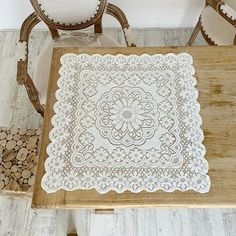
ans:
x=216 y=77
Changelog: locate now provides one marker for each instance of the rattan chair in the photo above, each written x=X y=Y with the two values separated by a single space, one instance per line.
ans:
x=217 y=23
x=64 y=18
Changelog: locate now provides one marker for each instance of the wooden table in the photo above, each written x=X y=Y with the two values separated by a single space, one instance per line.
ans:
x=216 y=76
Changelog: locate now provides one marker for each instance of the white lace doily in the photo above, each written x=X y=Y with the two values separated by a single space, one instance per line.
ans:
x=126 y=123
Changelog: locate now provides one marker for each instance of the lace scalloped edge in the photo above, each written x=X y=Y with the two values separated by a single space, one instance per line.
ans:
x=112 y=188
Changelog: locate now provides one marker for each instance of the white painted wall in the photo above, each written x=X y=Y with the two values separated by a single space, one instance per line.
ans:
x=141 y=13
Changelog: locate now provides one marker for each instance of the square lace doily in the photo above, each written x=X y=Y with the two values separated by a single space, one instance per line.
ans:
x=126 y=123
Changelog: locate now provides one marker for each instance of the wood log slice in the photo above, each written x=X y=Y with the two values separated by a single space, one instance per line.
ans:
x=9 y=156
x=2 y=184
x=22 y=154
x=31 y=180
x=3 y=135
x=7 y=172
x=16 y=137
x=34 y=170
x=17 y=175
x=3 y=142
x=19 y=143
x=32 y=143
x=9 y=137
x=22 y=131
x=11 y=145
x=2 y=176
x=7 y=165
x=30 y=132
x=6 y=180
x=26 y=174
x=14 y=131
x=14 y=169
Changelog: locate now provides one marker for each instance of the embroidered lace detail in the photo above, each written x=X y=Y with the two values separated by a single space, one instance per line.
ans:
x=126 y=116
x=126 y=123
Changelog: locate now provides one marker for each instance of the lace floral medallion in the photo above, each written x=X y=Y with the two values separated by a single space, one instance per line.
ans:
x=126 y=123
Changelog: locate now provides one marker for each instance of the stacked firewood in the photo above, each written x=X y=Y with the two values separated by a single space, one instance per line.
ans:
x=18 y=158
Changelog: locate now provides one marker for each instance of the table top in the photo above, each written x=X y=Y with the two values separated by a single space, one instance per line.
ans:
x=216 y=77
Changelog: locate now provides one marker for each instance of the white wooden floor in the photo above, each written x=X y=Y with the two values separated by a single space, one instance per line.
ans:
x=16 y=216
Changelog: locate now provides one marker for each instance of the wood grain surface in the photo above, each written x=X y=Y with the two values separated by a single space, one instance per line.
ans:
x=216 y=76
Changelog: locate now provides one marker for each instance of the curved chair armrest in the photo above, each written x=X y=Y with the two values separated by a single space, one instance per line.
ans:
x=23 y=78
x=224 y=10
x=120 y=16
x=22 y=46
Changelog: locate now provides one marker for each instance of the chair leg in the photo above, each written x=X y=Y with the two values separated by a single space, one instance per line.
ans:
x=72 y=233
x=195 y=33
x=38 y=107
